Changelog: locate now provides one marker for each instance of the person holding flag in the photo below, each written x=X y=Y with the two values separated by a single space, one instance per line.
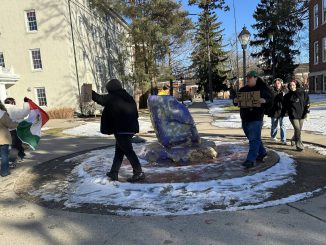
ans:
x=17 y=115
x=5 y=139
x=29 y=130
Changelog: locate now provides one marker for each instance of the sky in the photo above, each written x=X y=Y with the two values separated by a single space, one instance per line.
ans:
x=244 y=15
x=244 y=10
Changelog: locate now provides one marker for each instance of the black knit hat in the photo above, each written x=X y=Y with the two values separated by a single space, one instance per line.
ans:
x=113 y=85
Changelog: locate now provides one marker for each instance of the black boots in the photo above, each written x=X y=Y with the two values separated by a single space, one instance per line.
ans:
x=137 y=177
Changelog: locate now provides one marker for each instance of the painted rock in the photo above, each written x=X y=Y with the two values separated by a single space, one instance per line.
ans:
x=156 y=153
x=172 y=122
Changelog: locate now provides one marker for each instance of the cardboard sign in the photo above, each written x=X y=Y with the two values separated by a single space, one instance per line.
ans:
x=86 y=92
x=249 y=99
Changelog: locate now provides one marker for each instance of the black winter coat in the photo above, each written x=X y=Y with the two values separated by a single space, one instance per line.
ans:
x=296 y=104
x=276 y=109
x=120 y=113
x=256 y=113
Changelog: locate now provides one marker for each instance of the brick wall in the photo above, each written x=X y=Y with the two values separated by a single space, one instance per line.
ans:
x=316 y=35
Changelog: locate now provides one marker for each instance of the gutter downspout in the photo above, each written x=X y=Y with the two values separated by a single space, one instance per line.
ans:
x=75 y=58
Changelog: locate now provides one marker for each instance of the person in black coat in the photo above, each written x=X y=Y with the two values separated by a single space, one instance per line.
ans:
x=252 y=118
x=296 y=103
x=276 y=110
x=120 y=117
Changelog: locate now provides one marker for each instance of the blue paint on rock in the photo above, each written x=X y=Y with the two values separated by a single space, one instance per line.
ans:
x=172 y=122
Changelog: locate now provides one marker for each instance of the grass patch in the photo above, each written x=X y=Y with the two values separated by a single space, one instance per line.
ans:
x=315 y=104
x=231 y=109
x=54 y=131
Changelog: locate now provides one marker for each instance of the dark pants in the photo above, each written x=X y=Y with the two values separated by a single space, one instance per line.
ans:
x=123 y=147
x=297 y=126
x=4 y=150
x=17 y=144
x=253 y=132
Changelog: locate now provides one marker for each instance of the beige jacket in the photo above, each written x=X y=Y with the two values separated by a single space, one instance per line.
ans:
x=5 y=124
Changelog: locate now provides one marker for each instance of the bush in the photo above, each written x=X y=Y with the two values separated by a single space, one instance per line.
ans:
x=61 y=113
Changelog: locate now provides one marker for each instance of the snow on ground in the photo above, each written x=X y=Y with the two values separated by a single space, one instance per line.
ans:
x=316 y=121
x=92 y=129
x=92 y=187
x=317 y=98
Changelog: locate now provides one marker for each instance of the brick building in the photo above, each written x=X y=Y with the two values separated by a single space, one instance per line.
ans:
x=317 y=46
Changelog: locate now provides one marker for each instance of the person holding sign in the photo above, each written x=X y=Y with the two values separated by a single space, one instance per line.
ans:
x=120 y=118
x=252 y=110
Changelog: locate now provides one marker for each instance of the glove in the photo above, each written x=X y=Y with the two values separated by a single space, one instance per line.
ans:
x=26 y=99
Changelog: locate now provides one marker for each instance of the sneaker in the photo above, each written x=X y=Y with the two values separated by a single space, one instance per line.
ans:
x=5 y=174
x=138 y=177
x=274 y=139
x=248 y=164
x=261 y=157
x=284 y=143
x=113 y=176
x=12 y=164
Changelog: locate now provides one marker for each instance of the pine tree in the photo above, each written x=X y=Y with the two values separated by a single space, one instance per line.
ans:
x=218 y=55
x=277 y=22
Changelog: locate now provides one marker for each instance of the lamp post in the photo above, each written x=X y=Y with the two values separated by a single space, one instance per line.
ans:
x=244 y=38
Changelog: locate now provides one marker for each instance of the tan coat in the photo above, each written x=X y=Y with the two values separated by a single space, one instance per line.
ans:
x=5 y=124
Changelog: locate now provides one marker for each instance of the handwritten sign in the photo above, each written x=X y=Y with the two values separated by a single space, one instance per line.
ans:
x=249 y=99
x=86 y=92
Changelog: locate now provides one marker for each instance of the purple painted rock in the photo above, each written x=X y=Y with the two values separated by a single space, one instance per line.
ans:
x=156 y=153
x=172 y=122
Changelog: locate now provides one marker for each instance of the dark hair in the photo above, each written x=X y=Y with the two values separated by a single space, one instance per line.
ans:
x=10 y=101
x=297 y=83
x=2 y=107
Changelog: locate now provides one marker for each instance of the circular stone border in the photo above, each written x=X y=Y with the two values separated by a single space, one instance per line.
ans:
x=33 y=178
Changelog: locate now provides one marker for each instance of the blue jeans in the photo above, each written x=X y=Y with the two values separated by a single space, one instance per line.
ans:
x=274 y=128
x=252 y=131
x=4 y=159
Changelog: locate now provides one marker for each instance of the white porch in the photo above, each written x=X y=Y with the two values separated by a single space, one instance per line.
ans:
x=8 y=78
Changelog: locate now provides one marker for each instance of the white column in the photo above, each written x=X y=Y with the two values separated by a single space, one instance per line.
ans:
x=3 y=92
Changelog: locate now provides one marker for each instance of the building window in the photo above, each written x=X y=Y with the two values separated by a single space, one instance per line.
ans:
x=36 y=59
x=41 y=96
x=324 y=11
x=100 y=69
x=316 y=19
x=324 y=83
x=2 y=60
x=31 y=21
x=316 y=58
x=324 y=49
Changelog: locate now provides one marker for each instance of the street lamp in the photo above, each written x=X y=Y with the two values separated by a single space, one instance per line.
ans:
x=244 y=37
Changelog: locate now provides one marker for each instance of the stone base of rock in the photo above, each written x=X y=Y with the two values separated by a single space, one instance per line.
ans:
x=156 y=153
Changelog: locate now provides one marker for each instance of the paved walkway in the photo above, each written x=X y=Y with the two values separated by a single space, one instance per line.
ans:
x=22 y=222
x=203 y=119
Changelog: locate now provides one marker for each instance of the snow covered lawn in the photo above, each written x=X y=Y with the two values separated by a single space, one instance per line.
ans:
x=91 y=186
x=92 y=129
x=316 y=122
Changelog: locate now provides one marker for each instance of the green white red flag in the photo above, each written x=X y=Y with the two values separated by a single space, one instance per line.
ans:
x=29 y=130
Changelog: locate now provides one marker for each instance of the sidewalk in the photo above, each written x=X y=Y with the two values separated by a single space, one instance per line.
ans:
x=22 y=222
x=203 y=120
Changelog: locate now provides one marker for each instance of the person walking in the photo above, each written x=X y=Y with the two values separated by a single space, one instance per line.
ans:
x=5 y=139
x=296 y=103
x=120 y=117
x=17 y=115
x=276 y=110
x=252 y=118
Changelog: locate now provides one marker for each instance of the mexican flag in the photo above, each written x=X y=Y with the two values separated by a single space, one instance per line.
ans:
x=29 y=130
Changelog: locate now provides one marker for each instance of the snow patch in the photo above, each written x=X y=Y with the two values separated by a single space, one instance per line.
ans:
x=93 y=187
